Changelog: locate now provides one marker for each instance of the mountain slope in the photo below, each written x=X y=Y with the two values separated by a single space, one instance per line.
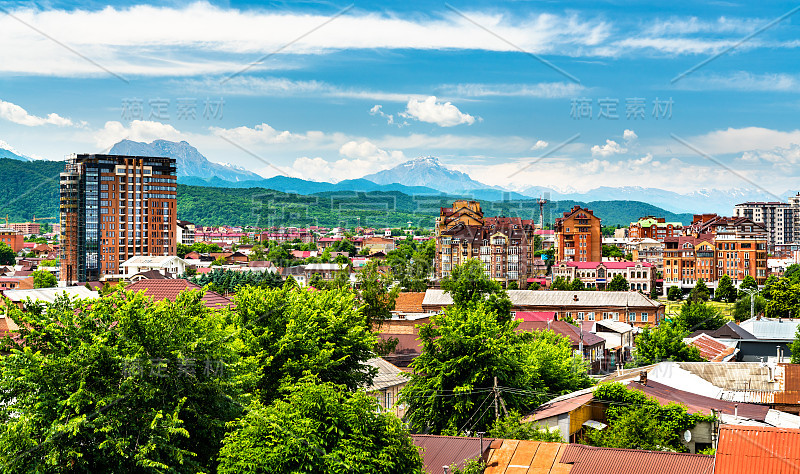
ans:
x=426 y=171
x=8 y=151
x=190 y=162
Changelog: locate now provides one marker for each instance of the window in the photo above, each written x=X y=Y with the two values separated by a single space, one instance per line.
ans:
x=644 y=317
x=631 y=316
x=580 y=316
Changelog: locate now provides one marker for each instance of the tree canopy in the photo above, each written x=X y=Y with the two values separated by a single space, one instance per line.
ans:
x=7 y=255
x=44 y=279
x=318 y=427
x=700 y=292
x=725 y=290
x=618 y=283
x=468 y=285
x=664 y=343
x=699 y=315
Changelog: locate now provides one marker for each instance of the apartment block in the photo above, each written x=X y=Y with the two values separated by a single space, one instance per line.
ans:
x=715 y=246
x=26 y=228
x=504 y=245
x=641 y=276
x=578 y=237
x=780 y=219
x=656 y=228
x=12 y=237
x=185 y=232
x=114 y=207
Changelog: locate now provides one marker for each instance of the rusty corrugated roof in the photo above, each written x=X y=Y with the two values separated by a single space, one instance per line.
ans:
x=593 y=460
x=755 y=450
x=699 y=403
x=439 y=451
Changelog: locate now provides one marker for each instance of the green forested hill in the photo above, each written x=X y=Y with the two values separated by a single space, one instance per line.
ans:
x=31 y=188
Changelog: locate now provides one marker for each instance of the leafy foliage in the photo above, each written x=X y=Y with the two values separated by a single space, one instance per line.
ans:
x=618 y=283
x=700 y=292
x=725 y=290
x=375 y=293
x=674 y=293
x=699 y=315
x=637 y=421
x=228 y=281
x=612 y=251
x=468 y=285
x=664 y=343
x=319 y=427
x=117 y=385
x=7 y=255
x=464 y=348
x=44 y=279
x=741 y=310
x=512 y=427
x=784 y=299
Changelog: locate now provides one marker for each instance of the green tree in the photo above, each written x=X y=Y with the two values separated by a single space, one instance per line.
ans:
x=287 y=334
x=376 y=295
x=468 y=285
x=535 y=286
x=464 y=348
x=618 y=283
x=784 y=299
x=637 y=421
x=795 y=347
x=653 y=293
x=725 y=290
x=612 y=251
x=674 y=293
x=560 y=283
x=770 y=283
x=219 y=261
x=48 y=263
x=741 y=310
x=512 y=427
x=7 y=255
x=748 y=283
x=512 y=285
x=576 y=285
x=664 y=343
x=44 y=279
x=792 y=273
x=257 y=253
x=117 y=384
x=700 y=291
x=697 y=316
x=319 y=427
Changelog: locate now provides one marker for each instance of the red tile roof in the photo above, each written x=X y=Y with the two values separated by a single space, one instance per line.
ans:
x=608 y=265
x=169 y=289
x=711 y=349
x=756 y=450
x=409 y=302
x=593 y=460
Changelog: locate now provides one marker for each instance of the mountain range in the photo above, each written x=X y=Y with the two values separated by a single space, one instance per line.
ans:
x=424 y=176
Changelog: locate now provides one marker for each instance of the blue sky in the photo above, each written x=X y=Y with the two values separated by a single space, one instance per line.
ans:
x=488 y=87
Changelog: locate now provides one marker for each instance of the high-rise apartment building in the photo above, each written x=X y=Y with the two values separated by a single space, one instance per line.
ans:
x=114 y=207
x=780 y=219
x=578 y=237
x=504 y=245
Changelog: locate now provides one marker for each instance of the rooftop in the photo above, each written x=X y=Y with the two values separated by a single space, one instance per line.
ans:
x=755 y=450
x=170 y=289
x=577 y=299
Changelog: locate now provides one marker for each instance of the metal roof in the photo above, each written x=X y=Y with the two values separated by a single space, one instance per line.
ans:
x=699 y=403
x=577 y=299
x=616 y=326
x=48 y=295
x=509 y=456
x=565 y=329
x=150 y=261
x=593 y=460
x=771 y=328
x=388 y=375
x=555 y=408
x=439 y=451
x=755 y=450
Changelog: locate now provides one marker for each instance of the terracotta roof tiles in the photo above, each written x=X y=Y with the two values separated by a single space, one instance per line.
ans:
x=170 y=289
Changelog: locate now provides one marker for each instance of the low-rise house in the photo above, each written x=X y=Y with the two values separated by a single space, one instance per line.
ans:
x=16 y=283
x=631 y=307
x=590 y=346
x=167 y=265
x=386 y=386
x=326 y=271
x=408 y=303
x=297 y=273
x=641 y=276
x=757 y=450
x=47 y=295
x=170 y=289
x=619 y=340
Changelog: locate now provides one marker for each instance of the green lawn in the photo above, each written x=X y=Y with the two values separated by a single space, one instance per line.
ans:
x=674 y=307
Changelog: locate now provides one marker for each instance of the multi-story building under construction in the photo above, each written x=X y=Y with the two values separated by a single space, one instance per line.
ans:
x=114 y=207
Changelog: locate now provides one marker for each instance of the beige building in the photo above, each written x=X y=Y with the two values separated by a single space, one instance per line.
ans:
x=386 y=386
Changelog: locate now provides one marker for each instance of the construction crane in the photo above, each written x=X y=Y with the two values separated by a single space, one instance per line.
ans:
x=541 y=203
x=42 y=218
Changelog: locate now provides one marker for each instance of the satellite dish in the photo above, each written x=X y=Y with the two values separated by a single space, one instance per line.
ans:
x=687 y=436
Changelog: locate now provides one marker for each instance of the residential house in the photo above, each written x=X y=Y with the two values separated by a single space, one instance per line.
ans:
x=386 y=386
x=641 y=276
x=170 y=289
x=590 y=346
x=578 y=236
x=167 y=265
x=47 y=295
x=618 y=337
x=632 y=307
x=656 y=228
x=16 y=283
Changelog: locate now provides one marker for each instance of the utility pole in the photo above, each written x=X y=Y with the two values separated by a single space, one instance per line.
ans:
x=496 y=413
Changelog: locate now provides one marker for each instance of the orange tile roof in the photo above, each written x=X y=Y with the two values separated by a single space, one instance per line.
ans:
x=711 y=349
x=409 y=302
x=169 y=289
x=756 y=449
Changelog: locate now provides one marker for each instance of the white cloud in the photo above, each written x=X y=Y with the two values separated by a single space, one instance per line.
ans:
x=138 y=130
x=15 y=113
x=737 y=140
x=782 y=156
x=361 y=158
x=539 y=145
x=629 y=135
x=442 y=114
x=609 y=149
x=378 y=110
x=543 y=90
x=741 y=81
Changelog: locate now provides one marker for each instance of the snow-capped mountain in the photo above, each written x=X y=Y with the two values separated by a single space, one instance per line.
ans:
x=8 y=151
x=427 y=171
x=190 y=162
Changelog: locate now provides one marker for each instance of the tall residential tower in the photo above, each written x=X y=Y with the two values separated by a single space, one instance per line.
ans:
x=114 y=207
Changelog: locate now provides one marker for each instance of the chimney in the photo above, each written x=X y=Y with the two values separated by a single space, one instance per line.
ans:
x=643 y=377
x=736 y=410
x=574 y=297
